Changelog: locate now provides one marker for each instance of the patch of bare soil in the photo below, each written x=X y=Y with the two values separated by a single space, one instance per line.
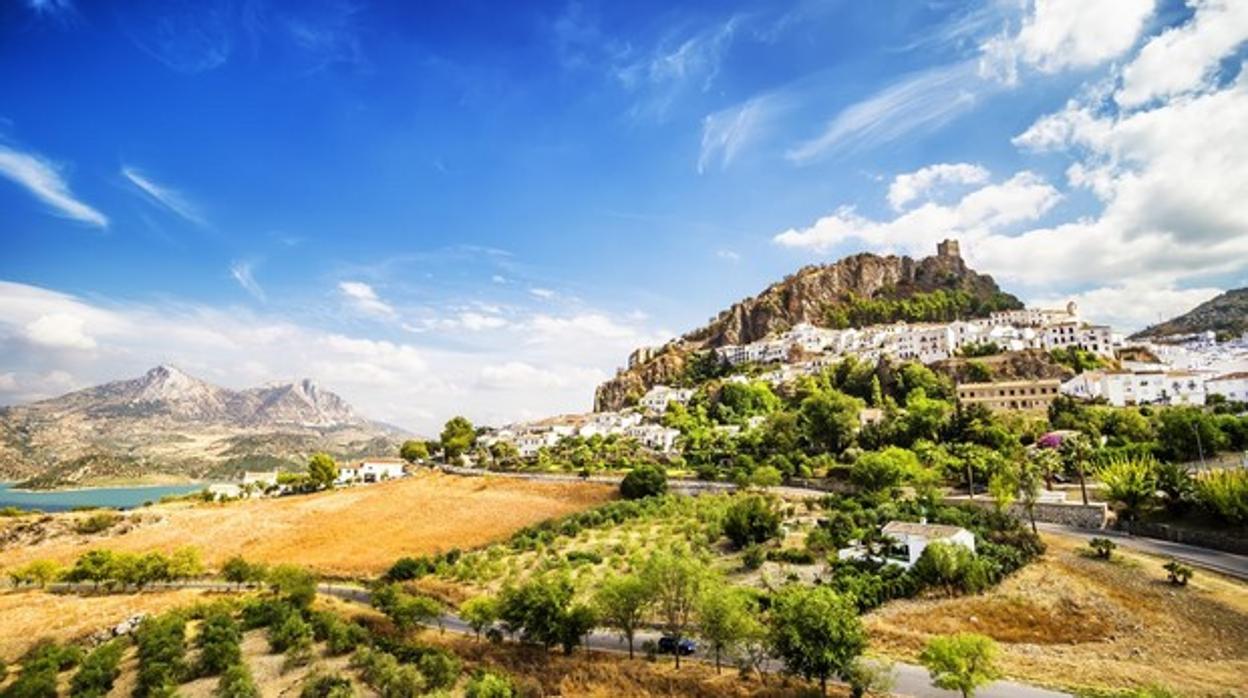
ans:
x=1076 y=622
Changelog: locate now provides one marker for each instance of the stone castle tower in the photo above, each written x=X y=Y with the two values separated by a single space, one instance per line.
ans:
x=948 y=248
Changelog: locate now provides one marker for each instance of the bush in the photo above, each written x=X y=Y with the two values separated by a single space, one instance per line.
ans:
x=792 y=556
x=575 y=556
x=1178 y=573
x=1103 y=547
x=489 y=685
x=218 y=643
x=953 y=567
x=440 y=669
x=408 y=568
x=1224 y=494
x=236 y=682
x=40 y=667
x=753 y=558
x=161 y=642
x=97 y=522
x=750 y=520
x=291 y=631
x=644 y=481
x=320 y=685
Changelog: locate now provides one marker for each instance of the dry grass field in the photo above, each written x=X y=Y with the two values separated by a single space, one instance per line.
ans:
x=1071 y=621
x=349 y=532
x=29 y=616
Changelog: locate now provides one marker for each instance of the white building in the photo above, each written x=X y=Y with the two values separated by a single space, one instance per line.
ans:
x=225 y=490
x=371 y=470
x=262 y=479
x=1149 y=387
x=657 y=398
x=1232 y=386
x=654 y=436
x=910 y=540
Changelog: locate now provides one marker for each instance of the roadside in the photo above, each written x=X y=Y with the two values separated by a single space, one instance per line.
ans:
x=1229 y=564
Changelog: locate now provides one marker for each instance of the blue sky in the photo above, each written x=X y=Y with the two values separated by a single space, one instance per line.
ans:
x=482 y=207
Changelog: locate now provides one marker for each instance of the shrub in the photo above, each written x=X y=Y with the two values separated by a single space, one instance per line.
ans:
x=236 y=682
x=1224 y=493
x=96 y=523
x=644 y=481
x=962 y=662
x=218 y=643
x=408 y=568
x=291 y=631
x=1103 y=547
x=440 y=669
x=575 y=556
x=792 y=556
x=750 y=520
x=1178 y=573
x=40 y=667
x=319 y=685
x=98 y=671
x=953 y=567
x=161 y=642
x=489 y=685
x=753 y=557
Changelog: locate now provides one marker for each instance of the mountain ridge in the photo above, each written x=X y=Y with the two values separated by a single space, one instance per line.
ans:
x=171 y=423
x=1225 y=313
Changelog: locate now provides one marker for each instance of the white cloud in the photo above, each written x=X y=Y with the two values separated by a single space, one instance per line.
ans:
x=1182 y=59
x=1056 y=35
x=413 y=384
x=1132 y=305
x=364 y=299
x=481 y=321
x=42 y=179
x=498 y=279
x=59 y=331
x=543 y=293
x=912 y=185
x=162 y=195
x=727 y=132
x=921 y=102
x=1025 y=196
x=676 y=65
x=242 y=273
x=729 y=255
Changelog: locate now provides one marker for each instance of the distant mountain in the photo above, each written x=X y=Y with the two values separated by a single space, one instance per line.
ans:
x=1225 y=314
x=169 y=423
x=854 y=291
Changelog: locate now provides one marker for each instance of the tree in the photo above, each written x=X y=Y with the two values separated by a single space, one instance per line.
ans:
x=644 y=481
x=413 y=451
x=1188 y=434
x=1076 y=452
x=1102 y=547
x=479 y=613
x=538 y=610
x=829 y=420
x=1030 y=480
x=575 y=624
x=185 y=563
x=1177 y=572
x=322 y=470
x=218 y=641
x=882 y=472
x=751 y=519
x=1130 y=482
x=871 y=677
x=237 y=570
x=1003 y=487
x=961 y=662
x=92 y=566
x=766 y=476
x=406 y=611
x=817 y=633
x=37 y=572
x=294 y=584
x=622 y=602
x=677 y=581
x=723 y=618
x=98 y=671
x=458 y=437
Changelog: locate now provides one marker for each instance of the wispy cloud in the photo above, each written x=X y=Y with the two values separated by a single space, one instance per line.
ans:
x=242 y=271
x=365 y=299
x=163 y=195
x=923 y=101
x=43 y=179
x=543 y=293
x=729 y=255
x=727 y=132
x=681 y=62
x=60 y=10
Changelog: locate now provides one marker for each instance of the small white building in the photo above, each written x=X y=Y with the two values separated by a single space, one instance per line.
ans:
x=658 y=397
x=1232 y=386
x=911 y=539
x=654 y=436
x=225 y=490
x=372 y=470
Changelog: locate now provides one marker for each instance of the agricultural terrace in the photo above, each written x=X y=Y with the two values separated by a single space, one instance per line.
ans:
x=351 y=532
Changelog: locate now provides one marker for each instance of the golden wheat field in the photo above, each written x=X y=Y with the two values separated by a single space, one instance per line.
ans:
x=1071 y=621
x=348 y=532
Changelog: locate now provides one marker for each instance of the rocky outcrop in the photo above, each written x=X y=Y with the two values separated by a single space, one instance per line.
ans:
x=806 y=296
x=1226 y=314
x=1029 y=364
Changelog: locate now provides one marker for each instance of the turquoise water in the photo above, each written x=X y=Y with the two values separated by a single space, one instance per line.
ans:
x=115 y=497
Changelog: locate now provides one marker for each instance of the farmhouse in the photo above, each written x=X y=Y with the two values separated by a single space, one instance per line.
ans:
x=909 y=540
x=372 y=470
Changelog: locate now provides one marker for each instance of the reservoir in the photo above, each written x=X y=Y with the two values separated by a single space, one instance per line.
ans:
x=114 y=497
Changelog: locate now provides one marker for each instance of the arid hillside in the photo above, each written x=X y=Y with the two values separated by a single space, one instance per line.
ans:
x=356 y=531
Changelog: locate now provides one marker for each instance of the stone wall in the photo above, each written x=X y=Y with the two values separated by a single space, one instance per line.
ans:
x=1090 y=516
x=1228 y=542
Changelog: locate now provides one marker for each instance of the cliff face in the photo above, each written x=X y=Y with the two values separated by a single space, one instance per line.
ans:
x=1227 y=313
x=806 y=296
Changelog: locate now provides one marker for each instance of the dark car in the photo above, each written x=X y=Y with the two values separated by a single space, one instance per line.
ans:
x=684 y=647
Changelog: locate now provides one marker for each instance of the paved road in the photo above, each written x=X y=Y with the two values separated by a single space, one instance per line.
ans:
x=1227 y=563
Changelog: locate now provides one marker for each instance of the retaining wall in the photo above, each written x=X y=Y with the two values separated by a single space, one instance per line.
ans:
x=1090 y=516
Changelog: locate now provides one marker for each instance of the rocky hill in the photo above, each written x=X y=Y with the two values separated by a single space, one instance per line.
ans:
x=1225 y=314
x=168 y=423
x=854 y=291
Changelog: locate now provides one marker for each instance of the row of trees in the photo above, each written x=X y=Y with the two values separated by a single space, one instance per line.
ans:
x=110 y=569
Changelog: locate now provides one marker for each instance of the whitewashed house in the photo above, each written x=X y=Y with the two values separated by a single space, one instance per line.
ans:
x=911 y=539
x=225 y=490
x=654 y=436
x=372 y=470
x=1232 y=386
x=657 y=398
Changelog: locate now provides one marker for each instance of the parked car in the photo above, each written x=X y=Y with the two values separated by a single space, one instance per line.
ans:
x=684 y=647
